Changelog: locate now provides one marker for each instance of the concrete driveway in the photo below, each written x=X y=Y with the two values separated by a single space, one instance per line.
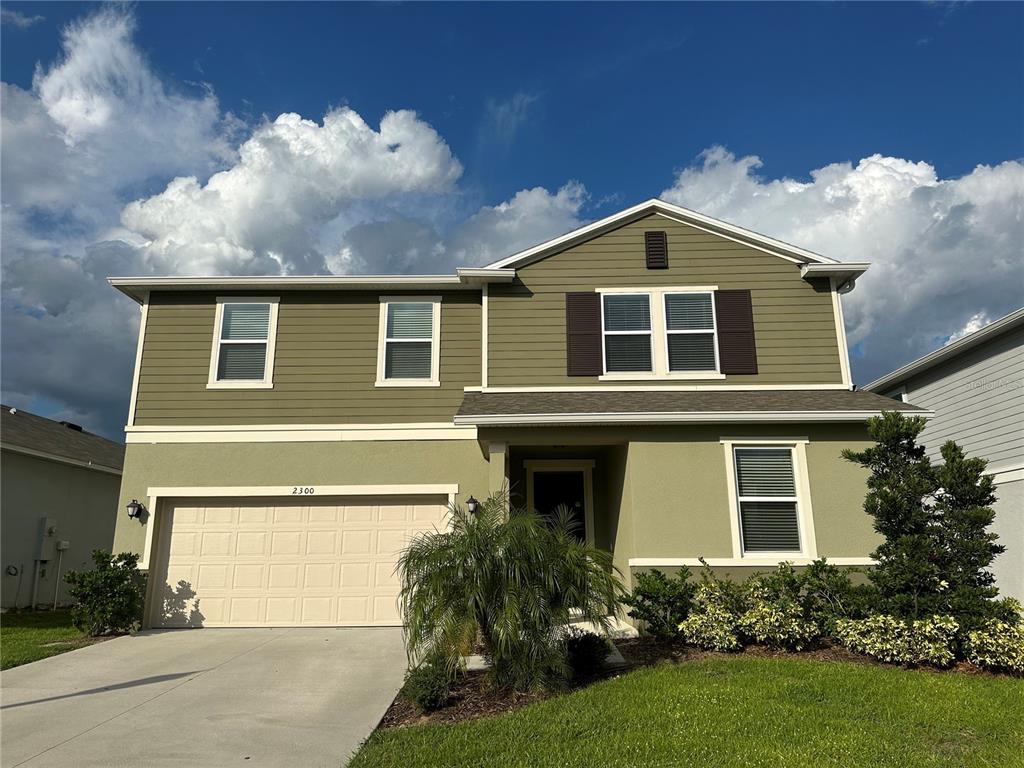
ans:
x=203 y=697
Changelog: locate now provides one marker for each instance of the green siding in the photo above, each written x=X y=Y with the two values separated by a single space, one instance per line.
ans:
x=324 y=369
x=793 y=318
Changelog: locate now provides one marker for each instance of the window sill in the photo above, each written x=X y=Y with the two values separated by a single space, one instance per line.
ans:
x=661 y=377
x=407 y=383
x=240 y=385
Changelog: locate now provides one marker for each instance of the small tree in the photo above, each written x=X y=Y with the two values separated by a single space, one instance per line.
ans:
x=964 y=512
x=902 y=482
x=510 y=577
x=109 y=598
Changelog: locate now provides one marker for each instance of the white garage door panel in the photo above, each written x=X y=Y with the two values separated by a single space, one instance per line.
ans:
x=267 y=562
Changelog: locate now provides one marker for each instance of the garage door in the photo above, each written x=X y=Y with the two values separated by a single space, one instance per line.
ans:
x=282 y=562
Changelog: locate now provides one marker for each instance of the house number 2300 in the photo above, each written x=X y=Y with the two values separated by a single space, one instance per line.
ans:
x=300 y=490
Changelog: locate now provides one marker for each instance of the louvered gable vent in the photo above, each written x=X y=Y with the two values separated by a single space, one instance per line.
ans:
x=656 y=246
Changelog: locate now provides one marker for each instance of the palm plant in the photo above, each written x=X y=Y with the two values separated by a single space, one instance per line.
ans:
x=511 y=578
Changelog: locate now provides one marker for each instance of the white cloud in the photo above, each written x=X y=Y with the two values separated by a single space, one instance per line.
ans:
x=976 y=322
x=942 y=250
x=18 y=19
x=401 y=244
x=293 y=176
x=503 y=118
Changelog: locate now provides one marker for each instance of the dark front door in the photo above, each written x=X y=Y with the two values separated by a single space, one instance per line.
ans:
x=553 y=488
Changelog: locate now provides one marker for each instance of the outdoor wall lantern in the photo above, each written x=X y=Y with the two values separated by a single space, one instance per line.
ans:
x=135 y=509
x=471 y=505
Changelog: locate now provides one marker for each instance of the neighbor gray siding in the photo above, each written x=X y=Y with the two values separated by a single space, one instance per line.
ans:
x=978 y=399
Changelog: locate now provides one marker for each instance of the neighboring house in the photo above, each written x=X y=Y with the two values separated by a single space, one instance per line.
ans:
x=975 y=386
x=681 y=383
x=59 y=488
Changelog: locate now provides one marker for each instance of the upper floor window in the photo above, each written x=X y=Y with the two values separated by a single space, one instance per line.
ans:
x=659 y=333
x=766 y=494
x=627 y=332
x=243 y=344
x=690 y=332
x=408 y=351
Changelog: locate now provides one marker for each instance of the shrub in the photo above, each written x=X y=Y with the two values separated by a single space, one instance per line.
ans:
x=515 y=576
x=901 y=641
x=109 y=598
x=828 y=593
x=661 y=602
x=585 y=651
x=998 y=645
x=428 y=686
x=774 y=615
x=712 y=624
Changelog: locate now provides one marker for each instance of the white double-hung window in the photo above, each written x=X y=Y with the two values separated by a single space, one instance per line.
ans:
x=408 y=352
x=243 y=343
x=627 y=332
x=690 y=337
x=767 y=500
x=659 y=333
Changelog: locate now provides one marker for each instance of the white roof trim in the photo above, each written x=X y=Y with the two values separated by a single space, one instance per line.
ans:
x=1005 y=323
x=654 y=205
x=690 y=417
x=84 y=464
x=138 y=288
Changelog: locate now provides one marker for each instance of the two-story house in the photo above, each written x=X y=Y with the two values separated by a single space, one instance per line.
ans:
x=682 y=384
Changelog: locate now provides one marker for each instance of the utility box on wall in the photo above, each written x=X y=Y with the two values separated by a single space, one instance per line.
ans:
x=47 y=549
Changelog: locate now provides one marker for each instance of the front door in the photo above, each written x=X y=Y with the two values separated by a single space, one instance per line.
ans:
x=552 y=488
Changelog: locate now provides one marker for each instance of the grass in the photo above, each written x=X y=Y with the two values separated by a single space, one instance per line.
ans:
x=737 y=711
x=26 y=637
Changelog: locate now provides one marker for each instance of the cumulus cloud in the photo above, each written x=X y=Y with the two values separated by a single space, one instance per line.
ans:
x=292 y=177
x=404 y=245
x=943 y=251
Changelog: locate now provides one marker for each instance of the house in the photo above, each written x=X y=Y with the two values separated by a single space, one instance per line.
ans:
x=680 y=383
x=975 y=386
x=59 y=488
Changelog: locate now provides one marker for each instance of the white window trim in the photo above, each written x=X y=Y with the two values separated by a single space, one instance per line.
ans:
x=659 y=352
x=267 y=382
x=435 y=342
x=804 y=514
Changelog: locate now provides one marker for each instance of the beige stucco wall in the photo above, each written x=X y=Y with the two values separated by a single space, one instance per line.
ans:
x=83 y=505
x=665 y=493
x=432 y=462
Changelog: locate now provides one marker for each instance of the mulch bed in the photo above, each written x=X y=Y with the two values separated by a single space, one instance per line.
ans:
x=471 y=699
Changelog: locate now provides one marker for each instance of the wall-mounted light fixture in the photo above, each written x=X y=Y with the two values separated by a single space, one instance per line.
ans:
x=471 y=505
x=135 y=509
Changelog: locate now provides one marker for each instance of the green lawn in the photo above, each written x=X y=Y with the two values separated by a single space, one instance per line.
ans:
x=26 y=637
x=737 y=711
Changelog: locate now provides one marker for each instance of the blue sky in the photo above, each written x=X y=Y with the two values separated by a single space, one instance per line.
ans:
x=888 y=132
x=620 y=94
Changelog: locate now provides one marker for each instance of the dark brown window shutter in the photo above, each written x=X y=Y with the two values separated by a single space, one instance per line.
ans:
x=583 y=334
x=734 y=314
x=656 y=244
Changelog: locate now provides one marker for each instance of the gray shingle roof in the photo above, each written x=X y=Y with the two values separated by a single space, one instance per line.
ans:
x=35 y=433
x=603 y=406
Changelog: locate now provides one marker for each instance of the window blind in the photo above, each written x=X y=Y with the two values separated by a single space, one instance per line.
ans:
x=627 y=313
x=245 y=322
x=242 y=362
x=689 y=312
x=767 y=500
x=410 y=321
x=691 y=352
